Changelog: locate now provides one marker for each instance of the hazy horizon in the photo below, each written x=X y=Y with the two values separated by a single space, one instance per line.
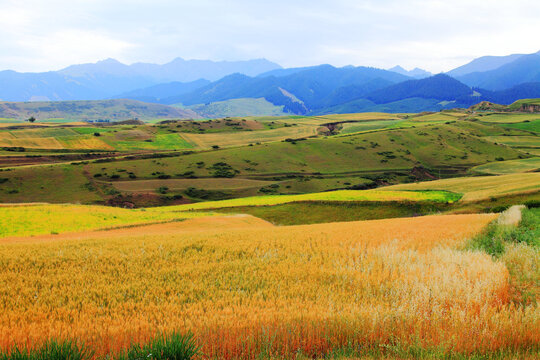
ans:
x=433 y=35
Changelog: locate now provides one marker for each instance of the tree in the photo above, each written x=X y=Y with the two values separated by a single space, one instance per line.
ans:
x=32 y=119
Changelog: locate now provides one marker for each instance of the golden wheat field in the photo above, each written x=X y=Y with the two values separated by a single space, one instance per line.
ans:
x=252 y=288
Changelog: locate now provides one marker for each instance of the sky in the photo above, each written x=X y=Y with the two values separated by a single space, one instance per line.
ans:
x=42 y=35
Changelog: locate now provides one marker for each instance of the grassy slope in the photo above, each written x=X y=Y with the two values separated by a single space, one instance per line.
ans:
x=432 y=147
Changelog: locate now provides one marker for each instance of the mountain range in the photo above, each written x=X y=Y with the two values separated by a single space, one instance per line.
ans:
x=194 y=84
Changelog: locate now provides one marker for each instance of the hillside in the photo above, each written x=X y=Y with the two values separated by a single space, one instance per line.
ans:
x=112 y=110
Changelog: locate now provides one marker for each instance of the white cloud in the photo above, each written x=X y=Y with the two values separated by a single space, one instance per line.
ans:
x=41 y=35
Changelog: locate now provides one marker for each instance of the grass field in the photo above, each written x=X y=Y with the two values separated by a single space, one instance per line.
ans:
x=509 y=167
x=479 y=188
x=269 y=292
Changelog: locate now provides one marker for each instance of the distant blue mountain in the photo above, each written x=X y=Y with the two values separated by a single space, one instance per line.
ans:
x=298 y=92
x=524 y=69
x=482 y=64
x=162 y=93
x=416 y=73
x=108 y=78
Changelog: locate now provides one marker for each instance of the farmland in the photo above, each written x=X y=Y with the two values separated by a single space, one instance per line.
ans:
x=196 y=281
x=350 y=236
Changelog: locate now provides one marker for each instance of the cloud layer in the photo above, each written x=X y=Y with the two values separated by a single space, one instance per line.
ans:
x=437 y=35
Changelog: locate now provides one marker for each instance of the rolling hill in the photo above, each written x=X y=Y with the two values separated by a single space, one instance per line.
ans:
x=113 y=110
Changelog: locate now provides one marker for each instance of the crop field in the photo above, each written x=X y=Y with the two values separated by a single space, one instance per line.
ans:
x=508 y=118
x=269 y=291
x=84 y=142
x=517 y=141
x=349 y=128
x=92 y=130
x=182 y=184
x=340 y=195
x=206 y=141
x=158 y=142
x=509 y=167
x=479 y=188
x=438 y=117
x=43 y=132
x=533 y=125
x=36 y=143
x=29 y=220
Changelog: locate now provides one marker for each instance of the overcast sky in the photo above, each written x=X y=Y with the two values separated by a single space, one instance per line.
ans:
x=40 y=35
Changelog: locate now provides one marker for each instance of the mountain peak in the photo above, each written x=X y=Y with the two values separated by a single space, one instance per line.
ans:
x=109 y=61
x=416 y=73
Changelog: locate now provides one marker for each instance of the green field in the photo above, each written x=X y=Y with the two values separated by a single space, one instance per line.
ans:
x=532 y=125
x=158 y=142
x=340 y=195
x=349 y=128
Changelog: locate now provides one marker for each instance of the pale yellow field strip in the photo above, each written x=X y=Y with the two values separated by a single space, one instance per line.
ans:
x=479 y=188
x=37 y=143
x=206 y=141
